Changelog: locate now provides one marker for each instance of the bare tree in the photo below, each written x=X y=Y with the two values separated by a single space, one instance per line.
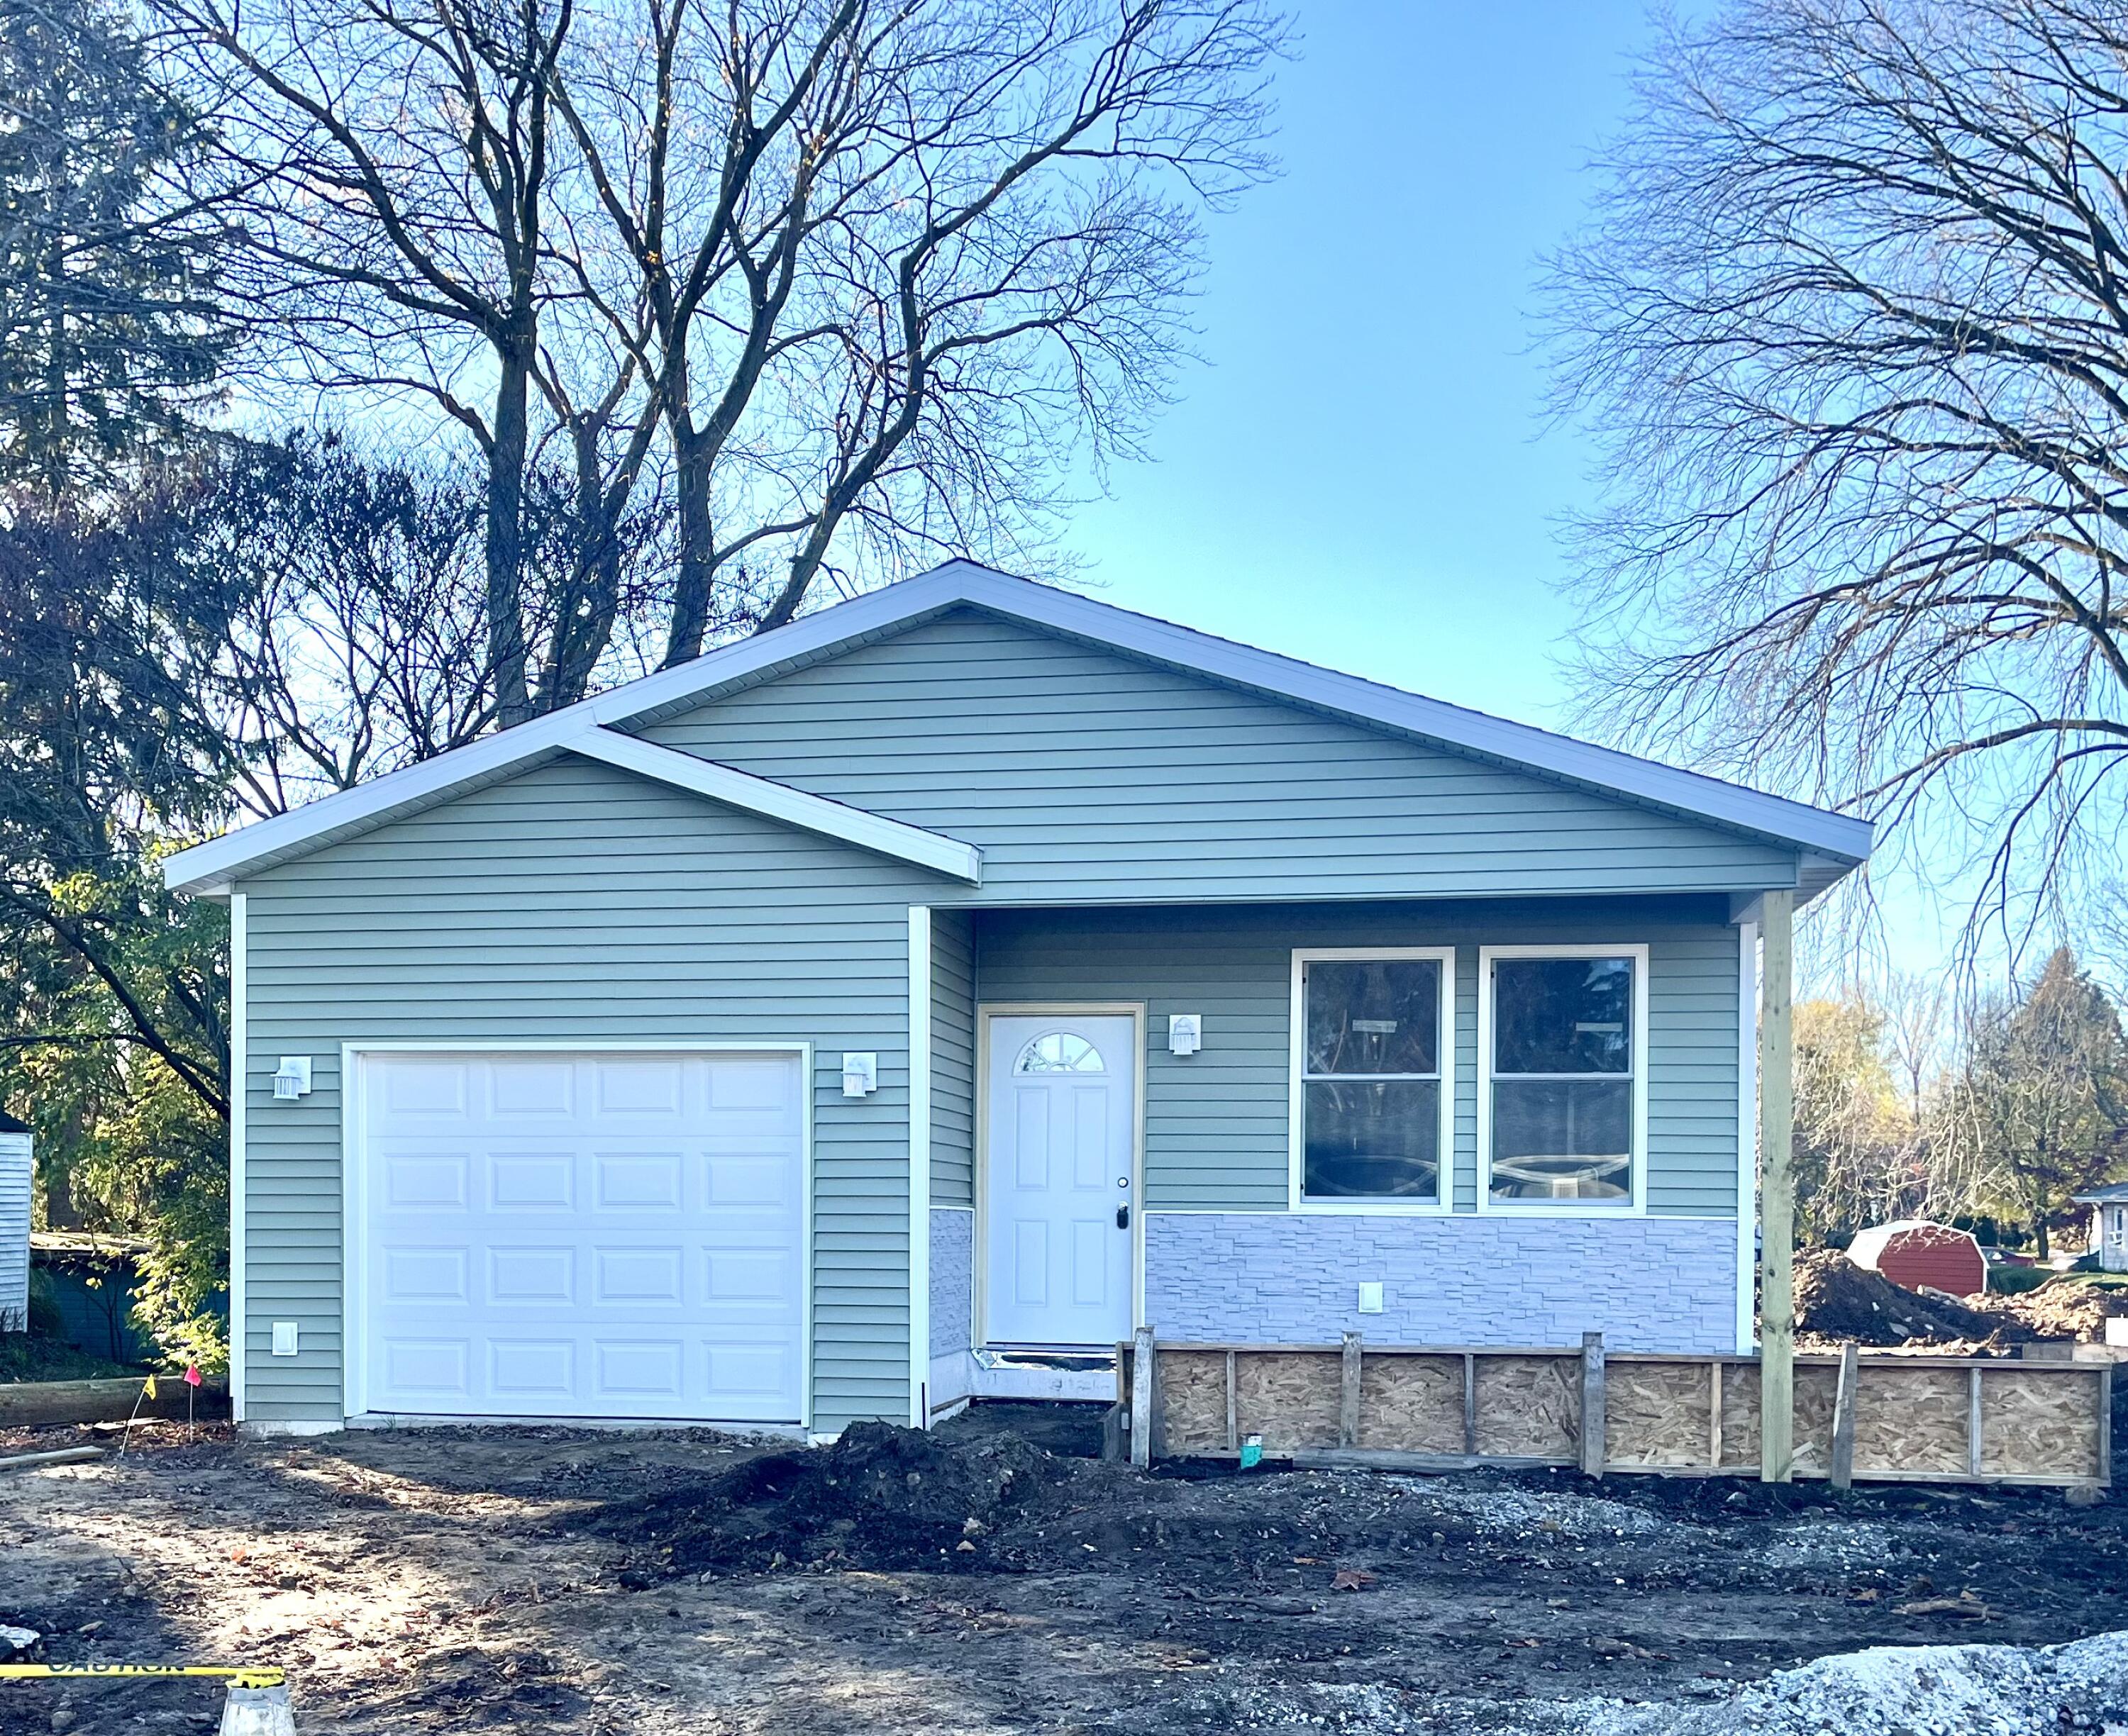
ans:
x=1852 y=322
x=893 y=259
x=859 y=281
x=389 y=164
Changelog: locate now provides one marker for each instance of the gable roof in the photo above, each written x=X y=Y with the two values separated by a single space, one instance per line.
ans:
x=1828 y=844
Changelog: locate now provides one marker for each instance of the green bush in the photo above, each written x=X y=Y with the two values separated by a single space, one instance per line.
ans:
x=2017 y=1280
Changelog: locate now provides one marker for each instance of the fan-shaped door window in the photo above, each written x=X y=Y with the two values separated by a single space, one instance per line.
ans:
x=1060 y=1051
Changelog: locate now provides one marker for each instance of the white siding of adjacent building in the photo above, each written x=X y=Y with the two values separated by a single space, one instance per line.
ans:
x=15 y=1166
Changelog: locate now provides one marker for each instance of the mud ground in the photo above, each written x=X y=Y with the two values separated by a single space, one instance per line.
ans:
x=560 y=1581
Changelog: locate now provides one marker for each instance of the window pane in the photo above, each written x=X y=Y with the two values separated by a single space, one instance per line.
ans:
x=1373 y=1015
x=1059 y=1051
x=1381 y=1140
x=1562 y=1138
x=1563 y=1015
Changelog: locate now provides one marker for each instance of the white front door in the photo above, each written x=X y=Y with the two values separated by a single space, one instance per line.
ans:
x=589 y=1234
x=1059 y=1184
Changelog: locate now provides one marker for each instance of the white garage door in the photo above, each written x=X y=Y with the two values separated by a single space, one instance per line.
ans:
x=605 y=1235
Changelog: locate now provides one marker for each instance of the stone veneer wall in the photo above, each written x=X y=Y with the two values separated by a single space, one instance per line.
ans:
x=953 y=1281
x=1645 y=1283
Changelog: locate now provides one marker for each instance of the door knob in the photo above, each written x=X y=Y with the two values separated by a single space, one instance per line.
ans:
x=1123 y=1218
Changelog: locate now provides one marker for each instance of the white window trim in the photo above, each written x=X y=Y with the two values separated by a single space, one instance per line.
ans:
x=354 y=1180
x=1297 y=1061
x=1637 y=1206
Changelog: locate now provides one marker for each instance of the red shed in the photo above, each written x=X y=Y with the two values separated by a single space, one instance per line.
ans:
x=1916 y=1253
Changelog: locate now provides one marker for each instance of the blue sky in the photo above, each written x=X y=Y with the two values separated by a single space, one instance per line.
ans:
x=1360 y=475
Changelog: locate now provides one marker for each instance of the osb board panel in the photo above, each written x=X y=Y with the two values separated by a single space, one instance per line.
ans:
x=1193 y=1400
x=1411 y=1404
x=1291 y=1399
x=1816 y=1390
x=2036 y=1424
x=1656 y=1414
x=1739 y=1416
x=1529 y=1406
x=1910 y=1420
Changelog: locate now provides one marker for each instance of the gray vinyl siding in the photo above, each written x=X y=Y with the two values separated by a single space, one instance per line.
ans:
x=1085 y=776
x=1217 y=1122
x=952 y=1058
x=579 y=902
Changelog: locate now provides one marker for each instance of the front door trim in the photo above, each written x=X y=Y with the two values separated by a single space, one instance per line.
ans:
x=1134 y=1011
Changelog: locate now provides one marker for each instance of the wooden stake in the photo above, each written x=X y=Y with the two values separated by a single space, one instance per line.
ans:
x=1469 y=1404
x=1973 y=1421
x=1843 y=1417
x=1714 y=1415
x=1233 y=1408
x=1592 y=1404
x=1777 y=1191
x=1348 y=1397
x=1144 y=1398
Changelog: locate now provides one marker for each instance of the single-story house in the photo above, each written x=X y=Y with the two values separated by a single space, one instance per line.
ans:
x=839 y=1024
x=1914 y=1252
x=2109 y=1224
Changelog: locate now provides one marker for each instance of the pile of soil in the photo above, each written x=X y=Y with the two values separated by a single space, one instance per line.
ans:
x=1837 y=1301
x=2059 y=1309
x=879 y=1497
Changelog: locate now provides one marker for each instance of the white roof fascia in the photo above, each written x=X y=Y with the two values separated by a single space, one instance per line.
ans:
x=896 y=607
x=781 y=802
x=208 y=868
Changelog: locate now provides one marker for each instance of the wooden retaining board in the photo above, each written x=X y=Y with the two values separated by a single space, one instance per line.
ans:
x=1916 y=1418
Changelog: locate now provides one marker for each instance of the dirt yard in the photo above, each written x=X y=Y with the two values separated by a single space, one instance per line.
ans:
x=557 y=1580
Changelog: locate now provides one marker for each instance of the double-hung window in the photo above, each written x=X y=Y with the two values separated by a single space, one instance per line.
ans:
x=1371 y=1086
x=1561 y=1041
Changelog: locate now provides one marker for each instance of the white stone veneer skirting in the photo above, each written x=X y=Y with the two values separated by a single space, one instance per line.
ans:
x=1645 y=1283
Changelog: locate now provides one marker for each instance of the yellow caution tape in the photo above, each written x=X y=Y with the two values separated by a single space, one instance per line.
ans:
x=244 y=1679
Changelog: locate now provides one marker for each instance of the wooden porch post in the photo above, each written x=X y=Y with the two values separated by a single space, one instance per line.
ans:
x=1776 y=1192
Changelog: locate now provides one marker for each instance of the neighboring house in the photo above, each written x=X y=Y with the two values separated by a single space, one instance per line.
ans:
x=976 y=967
x=1915 y=1252
x=17 y=1165
x=2109 y=1225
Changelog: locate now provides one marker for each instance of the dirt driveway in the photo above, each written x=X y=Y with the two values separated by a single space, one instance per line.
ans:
x=553 y=1581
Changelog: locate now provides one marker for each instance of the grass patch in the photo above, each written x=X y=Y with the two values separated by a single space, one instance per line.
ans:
x=2017 y=1280
x=31 y=1356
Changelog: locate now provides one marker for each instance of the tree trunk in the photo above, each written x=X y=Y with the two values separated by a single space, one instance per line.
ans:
x=582 y=634
x=691 y=594
x=506 y=533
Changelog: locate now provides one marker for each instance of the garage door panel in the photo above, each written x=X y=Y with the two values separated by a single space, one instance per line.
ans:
x=633 y=1181
x=532 y=1181
x=429 y=1089
x=426 y=1181
x=519 y=1278
x=583 y=1235
x=640 y=1090
x=527 y=1372
x=433 y=1367
x=426 y=1275
x=542 y=1088
x=640 y=1368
